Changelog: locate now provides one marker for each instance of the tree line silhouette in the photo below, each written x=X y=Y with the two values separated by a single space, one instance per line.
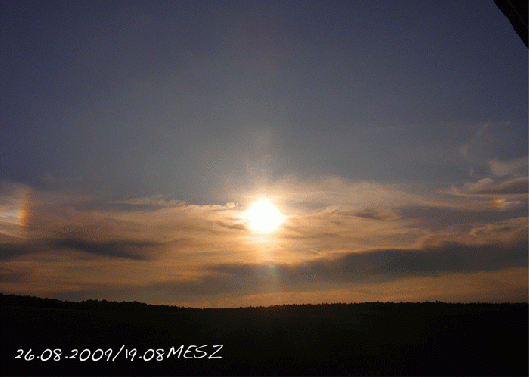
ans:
x=371 y=338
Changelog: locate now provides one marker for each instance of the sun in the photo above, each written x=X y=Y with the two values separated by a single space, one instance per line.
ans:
x=263 y=216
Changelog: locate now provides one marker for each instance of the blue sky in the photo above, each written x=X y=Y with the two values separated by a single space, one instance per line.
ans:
x=138 y=133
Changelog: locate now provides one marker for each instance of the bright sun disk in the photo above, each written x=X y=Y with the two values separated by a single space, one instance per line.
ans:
x=263 y=216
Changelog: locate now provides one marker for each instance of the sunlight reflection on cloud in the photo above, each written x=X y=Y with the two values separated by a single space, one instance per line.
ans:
x=334 y=230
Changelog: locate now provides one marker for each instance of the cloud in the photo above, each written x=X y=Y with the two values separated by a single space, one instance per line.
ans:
x=480 y=152
x=335 y=232
x=232 y=226
x=506 y=285
x=490 y=286
x=504 y=247
x=8 y=275
x=13 y=250
x=488 y=140
x=375 y=214
x=116 y=249
x=517 y=166
x=435 y=219
x=507 y=232
x=489 y=186
x=372 y=269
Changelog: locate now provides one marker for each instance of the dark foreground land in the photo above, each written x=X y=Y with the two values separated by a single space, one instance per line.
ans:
x=51 y=337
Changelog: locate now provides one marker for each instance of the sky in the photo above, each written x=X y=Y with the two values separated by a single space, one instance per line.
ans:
x=390 y=136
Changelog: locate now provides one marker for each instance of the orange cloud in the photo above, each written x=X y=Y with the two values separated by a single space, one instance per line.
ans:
x=336 y=233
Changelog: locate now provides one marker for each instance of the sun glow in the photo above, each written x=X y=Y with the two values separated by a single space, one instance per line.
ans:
x=263 y=216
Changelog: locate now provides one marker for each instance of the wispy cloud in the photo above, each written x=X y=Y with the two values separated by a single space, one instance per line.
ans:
x=334 y=232
x=489 y=186
x=517 y=166
x=115 y=249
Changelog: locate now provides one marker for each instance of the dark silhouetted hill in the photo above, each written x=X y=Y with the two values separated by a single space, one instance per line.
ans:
x=329 y=339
